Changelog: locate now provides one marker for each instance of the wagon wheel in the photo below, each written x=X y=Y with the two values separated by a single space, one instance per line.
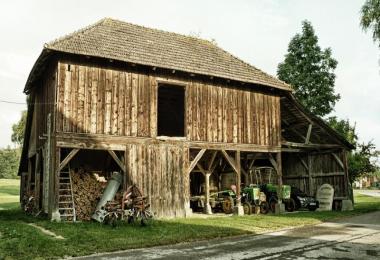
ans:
x=264 y=207
x=272 y=203
x=290 y=205
x=227 y=205
x=247 y=208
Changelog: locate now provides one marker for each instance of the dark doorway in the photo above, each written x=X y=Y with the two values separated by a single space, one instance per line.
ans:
x=171 y=110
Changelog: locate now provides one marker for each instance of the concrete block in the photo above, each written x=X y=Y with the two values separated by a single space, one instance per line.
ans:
x=347 y=205
x=207 y=209
x=279 y=208
x=238 y=210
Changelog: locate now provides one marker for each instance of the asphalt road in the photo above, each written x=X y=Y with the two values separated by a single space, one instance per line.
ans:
x=352 y=238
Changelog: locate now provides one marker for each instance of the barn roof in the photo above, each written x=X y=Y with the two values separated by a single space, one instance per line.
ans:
x=118 y=40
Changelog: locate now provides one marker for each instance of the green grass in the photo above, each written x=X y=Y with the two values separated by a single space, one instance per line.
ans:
x=21 y=241
x=9 y=193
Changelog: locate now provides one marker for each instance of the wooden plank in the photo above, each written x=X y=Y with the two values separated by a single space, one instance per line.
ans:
x=134 y=103
x=195 y=161
x=337 y=159
x=309 y=170
x=119 y=161
x=68 y=159
x=238 y=177
x=108 y=100
x=308 y=134
x=212 y=159
x=94 y=99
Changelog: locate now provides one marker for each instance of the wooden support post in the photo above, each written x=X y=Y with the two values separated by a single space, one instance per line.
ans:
x=37 y=178
x=207 y=174
x=238 y=178
x=207 y=204
x=279 y=175
x=346 y=177
x=310 y=177
x=194 y=162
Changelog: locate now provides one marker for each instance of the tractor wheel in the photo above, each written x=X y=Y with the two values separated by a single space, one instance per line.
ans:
x=247 y=208
x=228 y=205
x=290 y=205
x=264 y=207
x=272 y=204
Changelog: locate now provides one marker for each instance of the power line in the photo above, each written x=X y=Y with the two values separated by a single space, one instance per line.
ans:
x=12 y=102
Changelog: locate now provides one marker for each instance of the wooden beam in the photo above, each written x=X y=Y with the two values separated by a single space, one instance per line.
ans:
x=279 y=176
x=273 y=162
x=68 y=158
x=238 y=178
x=230 y=160
x=303 y=162
x=201 y=169
x=211 y=163
x=337 y=159
x=195 y=161
x=308 y=134
x=311 y=146
x=117 y=160
x=309 y=165
x=252 y=162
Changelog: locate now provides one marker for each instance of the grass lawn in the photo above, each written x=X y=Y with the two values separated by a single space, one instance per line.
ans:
x=9 y=193
x=21 y=241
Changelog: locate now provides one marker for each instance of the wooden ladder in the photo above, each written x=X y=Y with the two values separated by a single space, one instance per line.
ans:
x=66 y=204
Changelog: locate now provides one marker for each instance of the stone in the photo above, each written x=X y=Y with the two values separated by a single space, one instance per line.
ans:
x=325 y=196
x=279 y=208
x=239 y=210
x=347 y=205
x=207 y=209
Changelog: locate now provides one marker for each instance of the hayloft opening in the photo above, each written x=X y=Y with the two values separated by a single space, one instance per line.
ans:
x=171 y=110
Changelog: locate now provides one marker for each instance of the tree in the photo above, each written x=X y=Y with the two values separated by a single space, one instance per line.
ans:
x=362 y=160
x=310 y=70
x=370 y=18
x=18 y=130
x=9 y=162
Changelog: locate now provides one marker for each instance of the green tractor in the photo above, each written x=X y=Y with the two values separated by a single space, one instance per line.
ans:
x=254 y=201
x=270 y=191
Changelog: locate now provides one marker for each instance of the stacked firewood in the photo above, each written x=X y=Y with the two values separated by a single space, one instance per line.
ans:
x=87 y=191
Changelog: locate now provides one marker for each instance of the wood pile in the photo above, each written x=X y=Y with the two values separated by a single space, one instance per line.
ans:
x=87 y=191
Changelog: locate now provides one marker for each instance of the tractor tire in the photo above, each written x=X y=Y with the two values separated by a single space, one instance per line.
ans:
x=272 y=204
x=264 y=207
x=247 y=208
x=228 y=204
x=290 y=205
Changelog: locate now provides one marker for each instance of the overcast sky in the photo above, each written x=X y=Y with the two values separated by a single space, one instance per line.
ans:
x=256 y=31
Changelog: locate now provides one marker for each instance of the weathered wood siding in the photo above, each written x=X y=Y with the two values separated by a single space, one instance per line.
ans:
x=104 y=101
x=324 y=169
x=115 y=102
x=43 y=98
x=233 y=115
x=158 y=170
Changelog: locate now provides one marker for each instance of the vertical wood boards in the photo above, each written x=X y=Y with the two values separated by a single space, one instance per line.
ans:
x=115 y=102
x=105 y=101
x=323 y=168
x=158 y=170
x=226 y=114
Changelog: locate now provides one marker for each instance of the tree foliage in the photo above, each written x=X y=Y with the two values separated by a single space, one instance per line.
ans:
x=362 y=160
x=370 y=18
x=18 y=130
x=310 y=70
x=9 y=162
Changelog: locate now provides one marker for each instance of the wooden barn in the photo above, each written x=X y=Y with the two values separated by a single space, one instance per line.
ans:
x=172 y=113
